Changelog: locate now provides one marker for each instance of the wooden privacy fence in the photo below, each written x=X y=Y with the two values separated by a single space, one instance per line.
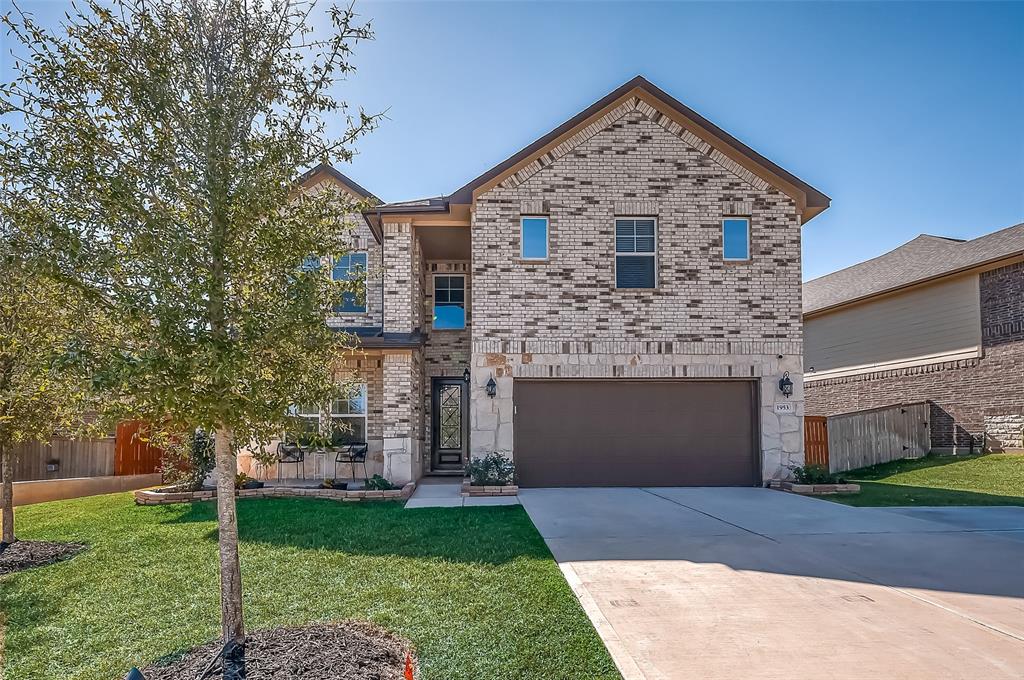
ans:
x=134 y=455
x=879 y=435
x=67 y=457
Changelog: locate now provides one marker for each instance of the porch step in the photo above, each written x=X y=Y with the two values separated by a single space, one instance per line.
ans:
x=445 y=473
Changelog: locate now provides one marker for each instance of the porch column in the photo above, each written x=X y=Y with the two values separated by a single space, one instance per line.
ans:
x=403 y=416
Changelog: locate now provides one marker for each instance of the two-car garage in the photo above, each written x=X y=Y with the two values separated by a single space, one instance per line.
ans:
x=636 y=433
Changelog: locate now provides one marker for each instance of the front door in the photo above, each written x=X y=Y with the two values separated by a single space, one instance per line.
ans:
x=449 y=408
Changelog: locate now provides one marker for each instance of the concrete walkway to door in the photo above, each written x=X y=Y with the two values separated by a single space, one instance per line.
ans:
x=756 y=584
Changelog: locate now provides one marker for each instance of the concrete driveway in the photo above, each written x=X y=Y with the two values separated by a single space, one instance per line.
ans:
x=751 y=583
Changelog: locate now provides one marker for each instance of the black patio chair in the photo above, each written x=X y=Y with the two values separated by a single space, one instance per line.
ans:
x=351 y=453
x=291 y=452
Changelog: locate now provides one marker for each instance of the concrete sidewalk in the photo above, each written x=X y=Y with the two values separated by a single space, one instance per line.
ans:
x=751 y=583
x=445 y=492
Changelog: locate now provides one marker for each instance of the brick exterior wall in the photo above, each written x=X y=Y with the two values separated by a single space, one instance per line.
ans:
x=446 y=353
x=403 y=278
x=361 y=240
x=969 y=398
x=706 y=318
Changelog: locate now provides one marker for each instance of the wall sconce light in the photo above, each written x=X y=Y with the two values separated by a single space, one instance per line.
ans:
x=786 y=385
x=491 y=387
x=465 y=375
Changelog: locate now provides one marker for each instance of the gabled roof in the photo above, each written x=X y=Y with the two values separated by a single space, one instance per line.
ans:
x=332 y=172
x=713 y=140
x=925 y=257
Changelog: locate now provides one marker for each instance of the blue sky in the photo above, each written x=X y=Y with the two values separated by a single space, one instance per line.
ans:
x=909 y=115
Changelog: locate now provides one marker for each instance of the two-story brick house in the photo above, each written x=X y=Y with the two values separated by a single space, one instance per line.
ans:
x=615 y=304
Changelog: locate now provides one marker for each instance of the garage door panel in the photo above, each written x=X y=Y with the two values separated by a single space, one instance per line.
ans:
x=634 y=433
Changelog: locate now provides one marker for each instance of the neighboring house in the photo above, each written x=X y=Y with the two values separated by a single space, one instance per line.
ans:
x=938 y=320
x=613 y=305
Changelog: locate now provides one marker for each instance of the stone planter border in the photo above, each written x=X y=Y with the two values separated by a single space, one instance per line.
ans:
x=814 y=489
x=470 y=490
x=152 y=497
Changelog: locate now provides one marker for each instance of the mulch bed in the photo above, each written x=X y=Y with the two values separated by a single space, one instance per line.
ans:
x=352 y=650
x=22 y=555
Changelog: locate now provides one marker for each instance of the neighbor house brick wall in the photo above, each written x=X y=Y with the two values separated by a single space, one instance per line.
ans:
x=706 y=318
x=969 y=398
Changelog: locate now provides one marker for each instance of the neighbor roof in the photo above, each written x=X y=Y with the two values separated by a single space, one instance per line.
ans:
x=926 y=257
x=813 y=201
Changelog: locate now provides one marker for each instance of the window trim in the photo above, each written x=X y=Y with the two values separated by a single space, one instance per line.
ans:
x=433 y=302
x=547 y=238
x=745 y=218
x=363 y=393
x=366 y=267
x=615 y=249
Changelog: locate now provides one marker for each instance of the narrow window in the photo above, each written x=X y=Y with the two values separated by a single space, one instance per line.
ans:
x=450 y=301
x=736 y=238
x=310 y=264
x=635 y=253
x=534 y=238
x=347 y=268
x=348 y=417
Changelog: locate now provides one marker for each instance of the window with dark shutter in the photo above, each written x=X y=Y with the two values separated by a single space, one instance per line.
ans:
x=635 y=259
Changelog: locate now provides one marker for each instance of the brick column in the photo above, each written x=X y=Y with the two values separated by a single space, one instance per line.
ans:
x=401 y=274
x=402 y=417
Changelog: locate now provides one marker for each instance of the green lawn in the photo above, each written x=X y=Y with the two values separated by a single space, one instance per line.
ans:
x=476 y=590
x=993 y=479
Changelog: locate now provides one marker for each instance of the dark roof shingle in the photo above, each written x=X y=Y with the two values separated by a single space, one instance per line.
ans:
x=925 y=257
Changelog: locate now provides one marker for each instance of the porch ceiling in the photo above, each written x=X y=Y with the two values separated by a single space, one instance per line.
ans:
x=445 y=243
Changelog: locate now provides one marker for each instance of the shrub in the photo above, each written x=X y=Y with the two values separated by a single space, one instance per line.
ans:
x=378 y=483
x=494 y=469
x=815 y=474
x=187 y=462
x=244 y=481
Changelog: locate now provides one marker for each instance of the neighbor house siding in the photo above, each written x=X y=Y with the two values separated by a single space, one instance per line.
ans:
x=920 y=325
x=706 y=318
x=970 y=398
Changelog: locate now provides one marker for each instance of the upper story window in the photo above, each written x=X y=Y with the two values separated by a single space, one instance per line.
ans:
x=346 y=268
x=635 y=257
x=534 y=238
x=449 y=301
x=348 y=417
x=310 y=264
x=736 y=238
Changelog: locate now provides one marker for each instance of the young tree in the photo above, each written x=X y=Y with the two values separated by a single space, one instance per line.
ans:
x=166 y=136
x=43 y=382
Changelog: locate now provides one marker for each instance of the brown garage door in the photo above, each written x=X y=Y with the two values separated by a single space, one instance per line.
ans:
x=635 y=433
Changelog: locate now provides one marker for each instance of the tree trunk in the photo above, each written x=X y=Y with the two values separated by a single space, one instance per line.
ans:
x=232 y=626
x=6 y=496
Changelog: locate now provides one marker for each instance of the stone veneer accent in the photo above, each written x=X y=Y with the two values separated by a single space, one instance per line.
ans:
x=564 y=318
x=970 y=398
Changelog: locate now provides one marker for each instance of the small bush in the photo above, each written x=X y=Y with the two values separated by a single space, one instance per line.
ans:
x=187 y=462
x=378 y=483
x=244 y=481
x=494 y=469
x=816 y=474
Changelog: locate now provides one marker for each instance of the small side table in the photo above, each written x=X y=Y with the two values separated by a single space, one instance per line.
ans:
x=319 y=464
